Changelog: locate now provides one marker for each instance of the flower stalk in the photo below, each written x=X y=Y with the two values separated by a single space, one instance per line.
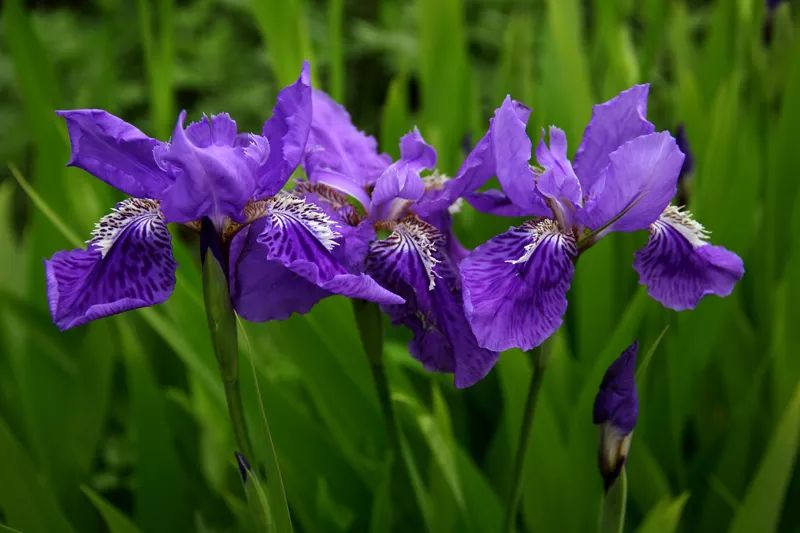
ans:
x=540 y=356
x=612 y=513
x=222 y=326
x=370 y=330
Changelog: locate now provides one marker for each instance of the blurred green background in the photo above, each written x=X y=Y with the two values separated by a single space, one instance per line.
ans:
x=121 y=425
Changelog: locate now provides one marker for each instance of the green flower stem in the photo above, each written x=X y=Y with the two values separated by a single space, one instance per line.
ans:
x=612 y=513
x=222 y=325
x=370 y=329
x=540 y=356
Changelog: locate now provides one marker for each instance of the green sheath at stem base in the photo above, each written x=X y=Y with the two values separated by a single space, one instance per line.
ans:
x=612 y=514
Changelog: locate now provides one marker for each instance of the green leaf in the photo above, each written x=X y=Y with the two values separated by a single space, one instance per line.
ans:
x=160 y=482
x=285 y=32
x=665 y=516
x=115 y=520
x=381 y=514
x=445 y=79
x=336 y=49
x=762 y=504
x=395 y=119
x=277 y=506
x=27 y=501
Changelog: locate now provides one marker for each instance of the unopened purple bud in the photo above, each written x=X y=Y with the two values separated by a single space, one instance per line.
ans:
x=769 y=20
x=772 y=5
x=616 y=407
x=243 y=464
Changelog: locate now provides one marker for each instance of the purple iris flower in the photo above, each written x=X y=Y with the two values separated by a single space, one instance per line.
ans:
x=616 y=407
x=417 y=256
x=207 y=172
x=622 y=178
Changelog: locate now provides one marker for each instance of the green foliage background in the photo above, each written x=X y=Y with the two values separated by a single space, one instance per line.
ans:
x=121 y=425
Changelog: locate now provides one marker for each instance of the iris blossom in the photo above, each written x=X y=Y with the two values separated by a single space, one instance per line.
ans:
x=622 y=178
x=418 y=255
x=206 y=172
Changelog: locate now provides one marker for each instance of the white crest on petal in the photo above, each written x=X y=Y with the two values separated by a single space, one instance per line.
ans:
x=435 y=180
x=140 y=214
x=681 y=220
x=540 y=232
x=413 y=235
x=287 y=208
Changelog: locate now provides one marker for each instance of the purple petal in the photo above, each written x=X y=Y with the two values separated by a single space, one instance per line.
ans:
x=679 y=267
x=637 y=185
x=115 y=152
x=478 y=167
x=263 y=290
x=495 y=202
x=482 y=164
x=128 y=264
x=558 y=181
x=443 y=221
x=214 y=176
x=287 y=131
x=342 y=183
x=336 y=147
x=216 y=130
x=613 y=123
x=512 y=154
x=413 y=263
x=292 y=244
x=515 y=285
x=401 y=180
x=356 y=233
x=616 y=401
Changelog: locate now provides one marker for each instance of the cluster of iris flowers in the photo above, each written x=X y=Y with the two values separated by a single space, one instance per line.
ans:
x=363 y=226
x=283 y=251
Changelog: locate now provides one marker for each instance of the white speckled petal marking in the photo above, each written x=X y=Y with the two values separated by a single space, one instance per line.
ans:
x=289 y=209
x=681 y=220
x=140 y=215
x=411 y=235
x=540 y=232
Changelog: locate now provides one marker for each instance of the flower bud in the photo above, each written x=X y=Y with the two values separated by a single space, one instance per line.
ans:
x=615 y=411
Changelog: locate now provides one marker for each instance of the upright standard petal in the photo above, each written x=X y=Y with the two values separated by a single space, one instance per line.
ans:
x=637 y=185
x=512 y=153
x=338 y=153
x=297 y=239
x=679 y=267
x=128 y=264
x=287 y=132
x=613 y=123
x=214 y=174
x=401 y=180
x=115 y=152
x=504 y=139
x=558 y=182
x=413 y=263
x=515 y=285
